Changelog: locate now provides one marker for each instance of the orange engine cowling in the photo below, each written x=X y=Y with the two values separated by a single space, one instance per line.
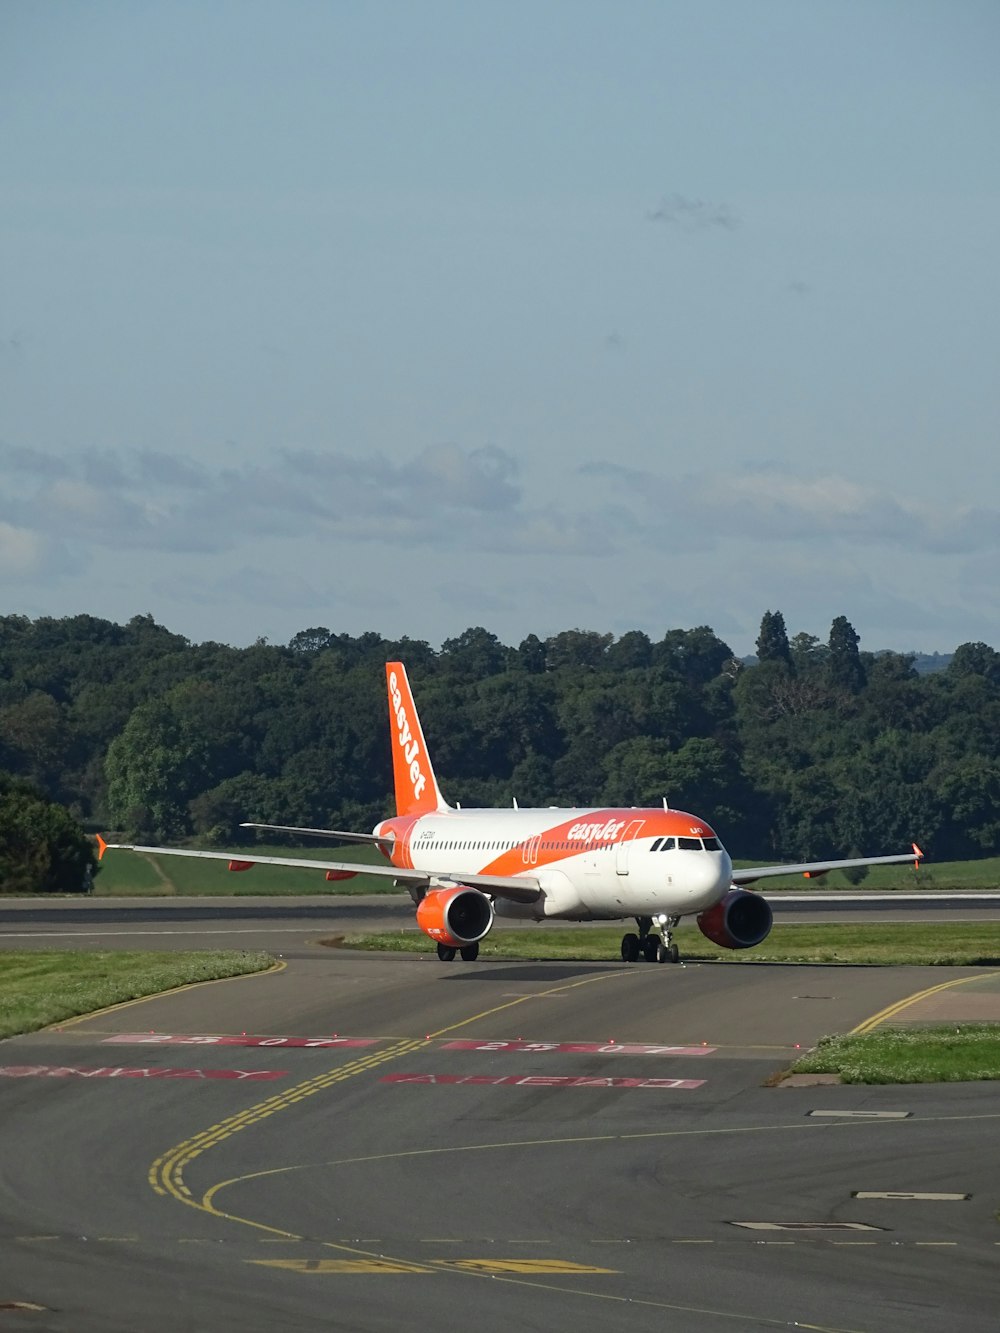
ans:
x=739 y=921
x=456 y=916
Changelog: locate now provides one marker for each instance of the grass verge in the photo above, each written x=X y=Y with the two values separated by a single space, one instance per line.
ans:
x=37 y=989
x=958 y=1053
x=141 y=874
x=951 y=944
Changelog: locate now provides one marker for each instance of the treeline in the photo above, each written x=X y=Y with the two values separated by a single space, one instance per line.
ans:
x=817 y=749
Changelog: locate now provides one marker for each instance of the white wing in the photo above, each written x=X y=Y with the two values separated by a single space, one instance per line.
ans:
x=813 y=869
x=519 y=888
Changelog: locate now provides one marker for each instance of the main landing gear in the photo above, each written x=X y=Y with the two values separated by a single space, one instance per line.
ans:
x=469 y=952
x=654 y=948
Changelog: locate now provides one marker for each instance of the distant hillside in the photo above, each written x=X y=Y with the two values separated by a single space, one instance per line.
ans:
x=926 y=663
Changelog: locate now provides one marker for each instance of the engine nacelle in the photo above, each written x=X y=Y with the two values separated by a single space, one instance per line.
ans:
x=739 y=921
x=456 y=916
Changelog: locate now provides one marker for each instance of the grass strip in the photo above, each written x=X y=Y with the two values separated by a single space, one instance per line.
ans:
x=964 y=1052
x=37 y=989
x=946 y=944
x=141 y=874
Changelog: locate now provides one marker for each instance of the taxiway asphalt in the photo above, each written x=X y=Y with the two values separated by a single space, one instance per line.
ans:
x=548 y=1146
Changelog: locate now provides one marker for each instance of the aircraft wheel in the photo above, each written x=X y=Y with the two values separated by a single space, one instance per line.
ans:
x=651 y=949
x=470 y=952
x=446 y=953
x=630 y=948
x=667 y=953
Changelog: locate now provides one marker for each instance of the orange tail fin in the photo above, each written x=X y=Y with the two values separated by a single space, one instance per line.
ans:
x=417 y=791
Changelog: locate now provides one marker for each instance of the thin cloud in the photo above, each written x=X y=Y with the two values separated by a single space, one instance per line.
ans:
x=768 y=504
x=693 y=214
x=27 y=556
x=30 y=462
x=445 y=497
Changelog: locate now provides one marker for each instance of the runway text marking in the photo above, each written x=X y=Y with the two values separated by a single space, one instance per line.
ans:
x=577 y=1047
x=115 y=1071
x=168 y=1039
x=545 y=1081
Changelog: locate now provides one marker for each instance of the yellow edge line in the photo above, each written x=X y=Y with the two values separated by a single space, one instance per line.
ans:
x=166 y=1174
x=892 y=1010
x=159 y=994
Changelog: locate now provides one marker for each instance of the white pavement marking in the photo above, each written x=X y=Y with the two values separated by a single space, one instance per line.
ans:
x=806 y=1226
x=865 y=1115
x=907 y=1194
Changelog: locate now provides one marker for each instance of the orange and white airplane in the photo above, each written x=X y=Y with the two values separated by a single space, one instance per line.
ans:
x=464 y=868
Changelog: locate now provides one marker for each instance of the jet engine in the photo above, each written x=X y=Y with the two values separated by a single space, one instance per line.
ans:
x=455 y=917
x=738 y=921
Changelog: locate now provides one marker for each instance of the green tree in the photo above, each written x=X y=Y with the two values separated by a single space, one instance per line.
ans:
x=971 y=794
x=476 y=653
x=772 y=641
x=579 y=649
x=35 y=738
x=310 y=640
x=531 y=654
x=696 y=655
x=808 y=653
x=154 y=768
x=633 y=650
x=844 y=665
x=42 y=847
x=975 y=659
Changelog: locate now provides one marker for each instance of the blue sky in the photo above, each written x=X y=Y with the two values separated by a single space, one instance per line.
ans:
x=419 y=316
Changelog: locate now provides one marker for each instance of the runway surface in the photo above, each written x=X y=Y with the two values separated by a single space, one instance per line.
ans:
x=382 y=1142
x=286 y=924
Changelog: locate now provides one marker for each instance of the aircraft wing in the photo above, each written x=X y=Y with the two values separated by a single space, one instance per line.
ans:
x=518 y=888
x=341 y=835
x=813 y=869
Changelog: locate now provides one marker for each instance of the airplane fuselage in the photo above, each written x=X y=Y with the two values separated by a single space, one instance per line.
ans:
x=593 y=863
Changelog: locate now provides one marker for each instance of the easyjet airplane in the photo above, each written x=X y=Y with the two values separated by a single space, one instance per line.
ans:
x=463 y=868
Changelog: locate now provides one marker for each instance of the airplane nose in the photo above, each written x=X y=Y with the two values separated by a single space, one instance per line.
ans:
x=711 y=879
x=724 y=872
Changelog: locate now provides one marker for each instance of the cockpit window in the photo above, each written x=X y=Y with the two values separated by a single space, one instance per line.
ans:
x=668 y=844
x=656 y=845
x=713 y=845
x=689 y=844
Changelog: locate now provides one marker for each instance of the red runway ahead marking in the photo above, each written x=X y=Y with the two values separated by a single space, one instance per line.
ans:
x=115 y=1071
x=546 y=1080
x=166 y=1039
x=577 y=1047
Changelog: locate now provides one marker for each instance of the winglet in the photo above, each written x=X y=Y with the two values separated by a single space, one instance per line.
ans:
x=917 y=853
x=417 y=791
x=102 y=847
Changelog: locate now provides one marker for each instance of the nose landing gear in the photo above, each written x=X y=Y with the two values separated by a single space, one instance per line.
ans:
x=654 y=948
